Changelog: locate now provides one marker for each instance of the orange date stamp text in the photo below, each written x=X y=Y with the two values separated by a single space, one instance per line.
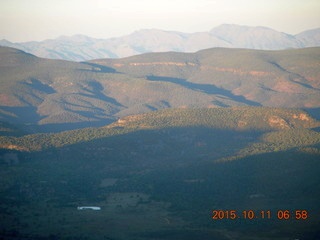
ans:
x=218 y=214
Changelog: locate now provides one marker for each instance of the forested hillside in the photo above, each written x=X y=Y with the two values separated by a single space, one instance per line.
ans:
x=278 y=129
x=161 y=175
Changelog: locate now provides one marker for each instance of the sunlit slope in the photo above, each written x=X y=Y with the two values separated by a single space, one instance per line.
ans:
x=288 y=78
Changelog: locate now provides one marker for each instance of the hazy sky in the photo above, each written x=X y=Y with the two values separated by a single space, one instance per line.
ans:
x=25 y=20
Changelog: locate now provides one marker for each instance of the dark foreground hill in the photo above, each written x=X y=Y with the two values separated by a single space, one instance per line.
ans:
x=55 y=95
x=161 y=175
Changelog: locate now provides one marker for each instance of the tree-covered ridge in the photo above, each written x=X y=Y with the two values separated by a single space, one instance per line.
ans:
x=282 y=128
x=237 y=118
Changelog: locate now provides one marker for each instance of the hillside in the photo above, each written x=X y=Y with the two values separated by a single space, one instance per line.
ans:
x=277 y=78
x=82 y=48
x=161 y=175
x=55 y=95
x=267 y=78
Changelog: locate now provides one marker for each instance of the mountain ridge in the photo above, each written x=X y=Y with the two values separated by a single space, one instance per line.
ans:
x=59 y=95
x=82 y=48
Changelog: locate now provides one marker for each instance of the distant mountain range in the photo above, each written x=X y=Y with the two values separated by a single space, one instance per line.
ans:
x=83 y=48
x=59 y=95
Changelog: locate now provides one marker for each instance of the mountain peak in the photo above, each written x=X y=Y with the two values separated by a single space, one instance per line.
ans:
x=4 y=41
x=255 y=37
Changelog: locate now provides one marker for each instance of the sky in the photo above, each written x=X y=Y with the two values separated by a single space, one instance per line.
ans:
x=27 y=20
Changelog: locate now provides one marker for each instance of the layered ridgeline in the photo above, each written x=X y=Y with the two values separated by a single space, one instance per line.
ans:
x=55 y=95
x=159 y=175
x=81 y=48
